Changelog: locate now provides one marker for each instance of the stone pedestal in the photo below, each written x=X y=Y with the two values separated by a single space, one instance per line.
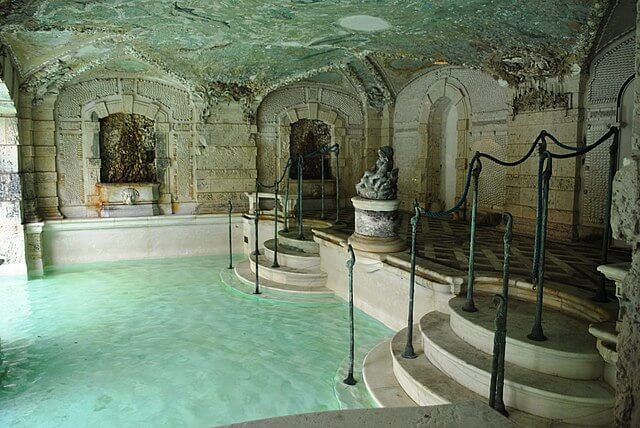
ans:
x=376 y=224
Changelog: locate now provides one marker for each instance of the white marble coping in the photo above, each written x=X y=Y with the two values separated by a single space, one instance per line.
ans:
x=428 y=274
x=375 y=204
x=132 y=222
x=467 y=414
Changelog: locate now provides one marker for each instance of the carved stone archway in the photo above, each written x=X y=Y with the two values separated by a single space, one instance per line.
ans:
x=78 y=111
x=343 y=112
x=482 y=123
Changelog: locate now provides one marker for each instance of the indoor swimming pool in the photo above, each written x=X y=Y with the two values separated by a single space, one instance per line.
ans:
x=168 y=343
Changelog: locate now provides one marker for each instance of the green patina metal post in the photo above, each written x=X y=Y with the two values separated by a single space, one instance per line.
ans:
x=352 y=260
x=256 y=252
x=230 y=248
x=275 y=263
x=601 y=292
x=542 y=148
x=537 y=333
x=408 y=350
x=469 y=305
x=285 y=227
x=337 y=152
x=496 y=400
x=322 y=153
x=300 y=209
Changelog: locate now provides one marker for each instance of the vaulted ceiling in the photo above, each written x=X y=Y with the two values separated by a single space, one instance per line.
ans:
x=259 y=44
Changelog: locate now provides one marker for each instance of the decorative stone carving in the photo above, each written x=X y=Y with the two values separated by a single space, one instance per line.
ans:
x=376 y=208
x=528 y=64
x=381 y=181
x=536 y=98
x=129 y=196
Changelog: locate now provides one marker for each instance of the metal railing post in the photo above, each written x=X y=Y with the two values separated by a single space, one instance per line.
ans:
x=408 y=350
x=500 y=335
x=352 y=260
x=286 y=200
x=537 y=333
x=275 y=263
x=469 y=305
x=542 y=148
x=230 y=247
x=601 y=292
x=322 y=150
x=337 y=152
x=300 y=209
x=256 y=252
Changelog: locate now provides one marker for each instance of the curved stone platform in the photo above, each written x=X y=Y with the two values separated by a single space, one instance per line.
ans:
x=585 y=402
x=307 y=245
x=569 y=352
x=302 y=278
x=394 y=381
x=244 y=272
x=290 y=256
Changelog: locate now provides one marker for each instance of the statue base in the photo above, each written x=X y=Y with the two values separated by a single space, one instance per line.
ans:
x=376 y=223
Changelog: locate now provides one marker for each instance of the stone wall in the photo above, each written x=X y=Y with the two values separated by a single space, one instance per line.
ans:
x=625 y=222
x=565 y=123
x=336 y=106
x=225 y=160
x=609 y=71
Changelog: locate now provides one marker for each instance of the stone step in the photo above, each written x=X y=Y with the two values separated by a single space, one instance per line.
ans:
x=307 y=245
x=425 y=385
x=246 y=274
x=570 y=350
x=288 y=275
x=291 y=256
x=586 y=402
x=378 y=376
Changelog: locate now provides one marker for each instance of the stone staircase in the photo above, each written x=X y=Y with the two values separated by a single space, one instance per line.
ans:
x=298 y=260
x=556 y=382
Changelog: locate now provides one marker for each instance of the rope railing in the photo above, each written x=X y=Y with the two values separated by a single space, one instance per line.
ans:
x=545 y=170
x=299 y=161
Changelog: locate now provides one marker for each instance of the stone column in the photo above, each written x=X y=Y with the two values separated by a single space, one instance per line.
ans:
x=12 y=249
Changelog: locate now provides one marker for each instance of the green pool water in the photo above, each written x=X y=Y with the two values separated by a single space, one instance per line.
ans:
x=167 y=343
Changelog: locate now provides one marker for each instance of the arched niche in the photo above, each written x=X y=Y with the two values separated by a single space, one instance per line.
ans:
x=428 y=145
x=609 y=73
x=79 y=109
x=342 y=112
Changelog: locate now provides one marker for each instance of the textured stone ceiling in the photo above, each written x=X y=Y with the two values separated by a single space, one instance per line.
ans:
x=262 y=43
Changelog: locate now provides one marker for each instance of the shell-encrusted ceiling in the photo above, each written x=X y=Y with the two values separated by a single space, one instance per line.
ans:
x=259 y=44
